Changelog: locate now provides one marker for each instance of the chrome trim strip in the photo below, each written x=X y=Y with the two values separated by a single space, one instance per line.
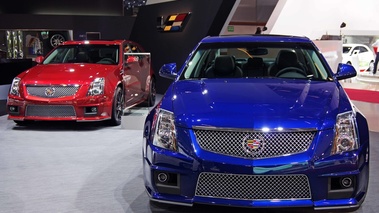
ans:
x=148 y=54
x=230 y=129
x=50 y=85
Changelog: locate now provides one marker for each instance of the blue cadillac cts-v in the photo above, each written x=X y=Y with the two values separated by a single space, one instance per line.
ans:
x=256 y=121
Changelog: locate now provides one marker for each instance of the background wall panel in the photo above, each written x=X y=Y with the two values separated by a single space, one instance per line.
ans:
x=207 y=19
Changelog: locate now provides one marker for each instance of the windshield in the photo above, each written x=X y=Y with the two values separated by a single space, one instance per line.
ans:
x=101 y=54
x=253 y=60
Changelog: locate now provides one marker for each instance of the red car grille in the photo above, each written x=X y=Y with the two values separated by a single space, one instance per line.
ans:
x=50 y=111
x=53 y=91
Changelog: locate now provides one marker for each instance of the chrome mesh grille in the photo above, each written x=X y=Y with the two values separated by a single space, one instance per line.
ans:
x=54 y=91
x=50 y=111
x=253 y=187
x=252 y=144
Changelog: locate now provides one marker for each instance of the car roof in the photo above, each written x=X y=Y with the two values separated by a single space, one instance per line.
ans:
x=256 y=38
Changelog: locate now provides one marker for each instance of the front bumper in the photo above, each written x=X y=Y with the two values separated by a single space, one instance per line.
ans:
x=80 y=109
x=300 y=180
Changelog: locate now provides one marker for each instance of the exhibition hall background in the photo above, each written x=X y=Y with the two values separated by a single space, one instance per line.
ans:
x=310 y=18
x=106 y=16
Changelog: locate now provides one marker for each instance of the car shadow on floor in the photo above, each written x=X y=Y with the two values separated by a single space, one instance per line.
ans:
x=160 y=208
x=61 y=126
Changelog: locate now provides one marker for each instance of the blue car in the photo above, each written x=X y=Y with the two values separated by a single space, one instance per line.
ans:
x=256 y=121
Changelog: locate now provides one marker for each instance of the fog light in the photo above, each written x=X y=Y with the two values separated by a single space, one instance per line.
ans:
x=346 y=182
x=167 y=182
x=341 y=187
x=13 y=110
x=90 y=110
x=162 y=177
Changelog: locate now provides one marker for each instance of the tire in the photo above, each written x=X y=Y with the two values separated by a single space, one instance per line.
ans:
x=150 y=99
x=56 y=39
x=117 y=107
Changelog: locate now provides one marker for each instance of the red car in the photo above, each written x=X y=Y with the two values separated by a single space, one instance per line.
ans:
x=83 y=81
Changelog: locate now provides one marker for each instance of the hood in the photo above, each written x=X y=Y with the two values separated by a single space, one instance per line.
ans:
x=65 y=73
x=255 y=103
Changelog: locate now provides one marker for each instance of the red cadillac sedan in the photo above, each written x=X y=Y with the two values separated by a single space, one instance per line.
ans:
x=83 y=81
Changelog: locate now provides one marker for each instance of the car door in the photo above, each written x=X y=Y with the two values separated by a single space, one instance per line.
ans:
x=132 y=83
x=365 y=57
x=143 y=59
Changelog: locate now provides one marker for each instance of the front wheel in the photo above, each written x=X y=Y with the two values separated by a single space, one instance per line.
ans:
x=117 y=107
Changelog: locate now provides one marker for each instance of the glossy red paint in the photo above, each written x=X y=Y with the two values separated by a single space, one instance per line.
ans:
x=83 y=81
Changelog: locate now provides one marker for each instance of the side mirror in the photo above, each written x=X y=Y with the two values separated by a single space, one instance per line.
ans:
x=39 y=59
x=345 y=71
x=168 y=71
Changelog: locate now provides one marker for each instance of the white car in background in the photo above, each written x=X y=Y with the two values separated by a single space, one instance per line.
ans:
x=365 y=56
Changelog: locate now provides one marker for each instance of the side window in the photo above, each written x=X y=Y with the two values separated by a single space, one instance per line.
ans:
x=363 y=50
x=356 y=49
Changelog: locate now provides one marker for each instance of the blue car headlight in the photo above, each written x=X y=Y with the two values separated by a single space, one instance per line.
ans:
x=165 y=133
x=345 y=137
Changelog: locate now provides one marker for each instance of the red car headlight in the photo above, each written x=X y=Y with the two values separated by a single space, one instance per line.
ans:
x=15 y=87
x=96 y=87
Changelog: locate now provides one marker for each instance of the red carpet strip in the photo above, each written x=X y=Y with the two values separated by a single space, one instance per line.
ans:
x=363 y=95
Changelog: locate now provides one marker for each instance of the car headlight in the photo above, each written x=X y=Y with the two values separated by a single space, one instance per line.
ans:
x=96 y=87
x=165 y=133
x=15 y=87
x=345 y=137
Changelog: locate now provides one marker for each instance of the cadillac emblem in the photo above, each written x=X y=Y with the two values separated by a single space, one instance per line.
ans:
x=253 y=145
x=50 y=91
